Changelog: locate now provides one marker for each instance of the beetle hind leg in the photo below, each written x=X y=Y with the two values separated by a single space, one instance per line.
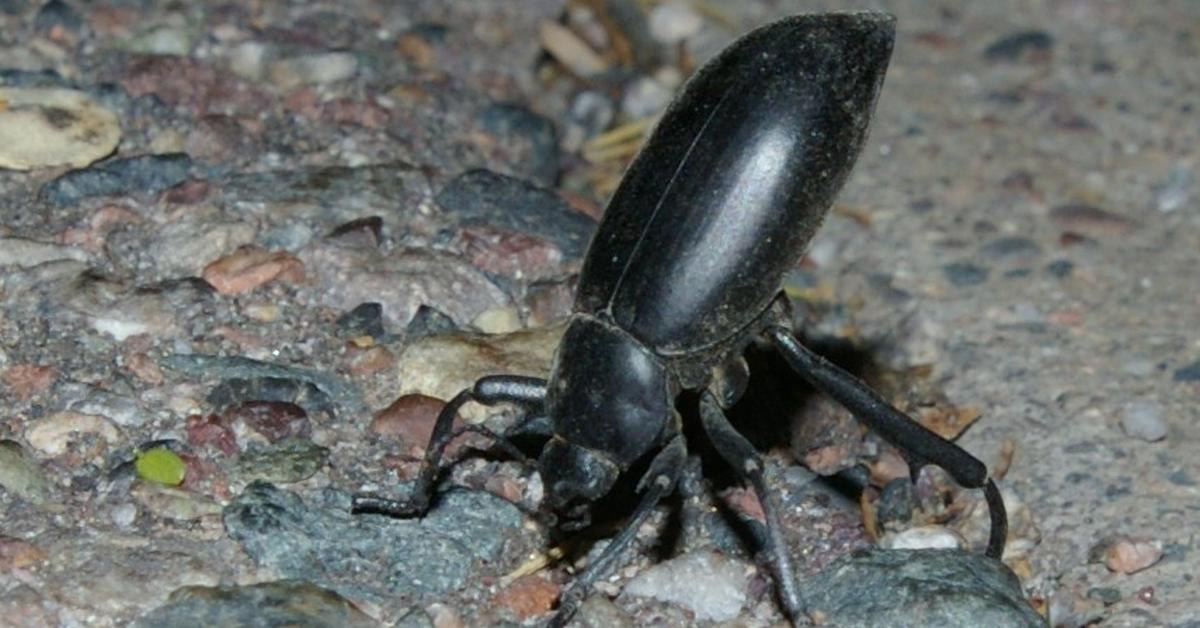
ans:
x=528 y=392
x=747 y=464
x=919 y=444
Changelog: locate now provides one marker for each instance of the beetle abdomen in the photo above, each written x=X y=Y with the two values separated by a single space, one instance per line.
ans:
x=736 y=178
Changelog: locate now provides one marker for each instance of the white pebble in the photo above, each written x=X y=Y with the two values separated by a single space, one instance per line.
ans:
x=711 y=585
x=675 y=21
x=1144 y=421
x=924 y=537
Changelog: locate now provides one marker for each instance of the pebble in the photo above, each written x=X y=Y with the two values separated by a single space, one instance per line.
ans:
x=1144 y=421
x=144 y=174
x=498 y=320
x=512 y=124
x=1015 y=46
x=600 y=612
x=1176 y=191
x=428 y=321
x=711 y=585
x=21 y=475
x=251 y=267
x=441 y=366
x=1189 y=373
x=1127 y=555
x=568 y=49
x=57 y=14
x=1011 y=249
x=409 y=418
x=923 y=537
x=52 y=435
x=372 y=557
x=185 y=247
x=288 y=462
x=274 y=420
x=366 y=319
x=932 y=587
x=1090 y=220
x=248 y=60
x=29 y=253
x=18 y=554
x=48 y=126
x=172 y=503
x=963 y=274
x=120 y=409
x=314 y=69
x=591 y=113
x=1061 y=268
x=674 y=21
x=485 y=198
x=528 y=597
x=645 y=97
x=205 y=430
x=320 y=390
x=281 y=603
x=163 y=40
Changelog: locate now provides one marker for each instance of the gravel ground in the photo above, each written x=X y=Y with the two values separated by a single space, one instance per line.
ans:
x=197 y=200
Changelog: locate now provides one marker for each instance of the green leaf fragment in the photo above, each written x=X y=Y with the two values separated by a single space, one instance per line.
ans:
x=161 y=465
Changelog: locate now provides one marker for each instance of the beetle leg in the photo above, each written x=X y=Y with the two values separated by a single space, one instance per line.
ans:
x=896 y=428
x=529 y=392
x=741 y=455
x=657 y=483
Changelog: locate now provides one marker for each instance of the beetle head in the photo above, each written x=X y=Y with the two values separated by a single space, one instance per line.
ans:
x=575 y=477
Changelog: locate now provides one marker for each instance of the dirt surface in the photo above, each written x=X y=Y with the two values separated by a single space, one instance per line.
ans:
x=1019 y=238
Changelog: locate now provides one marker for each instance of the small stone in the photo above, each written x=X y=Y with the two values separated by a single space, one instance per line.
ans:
x=282 y=603
x=315 y=69
x=1060 y=268
x=1144 y=421
x=274 y=420
x=1011 y=249
x=674 y=21
x=184 y=247
x=485 y=198
x=1127 y=555
x=963 y=274
x=29 y=253
x=442 y=366
x=247 y=60
x=123 y=515
x=144 y=174
x=896 y=502
x=366 y=319
x=1176 y=191
x=161 y=465
x=27 y=380
x=591 y=113
x=57 y=15
x=1090 y=220
x=211 y=430
x=172 y=503
x=529 y=139
x=365 y=361
x=409 y=418
x=1107 y=595
x=163 y=40
x=711 y=585
x=1034 y=43
x=18 y=554
x=528 y=597
x=570 y=50
x=645 y=97
x=600 y=612
x=21 y=475
x=924 y=537
x=45 y=126
x=52 y=435
x=291 y=461
x=1189 y=373
x=428 y=321
x=933 y=587
x=500 y=320
x=250 y=267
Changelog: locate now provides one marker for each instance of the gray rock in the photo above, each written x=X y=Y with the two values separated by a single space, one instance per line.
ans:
x=20 y=473
x=148 y=174
x=28 y=253
x=514 y=124
x=918 y=588
x=371 y=556
x=1144 y=421
x=294 y=460
x=711 y=585
x=485 y=198
x=962 y=274
x=280 y=603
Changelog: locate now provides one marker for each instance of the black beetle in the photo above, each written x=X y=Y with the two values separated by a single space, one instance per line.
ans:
x=684 y=273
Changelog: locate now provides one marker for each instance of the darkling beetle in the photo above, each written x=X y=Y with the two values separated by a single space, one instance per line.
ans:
x=684 y=274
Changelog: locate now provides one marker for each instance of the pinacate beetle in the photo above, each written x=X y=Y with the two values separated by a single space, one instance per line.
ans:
x=684 y=273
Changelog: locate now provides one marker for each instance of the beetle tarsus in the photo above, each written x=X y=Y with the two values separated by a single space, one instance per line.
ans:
x=658 y=482
x=895 y=427
x=524 y=391
x=747 y=464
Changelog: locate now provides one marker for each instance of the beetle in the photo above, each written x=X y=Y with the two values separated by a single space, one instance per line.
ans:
x=684 y=273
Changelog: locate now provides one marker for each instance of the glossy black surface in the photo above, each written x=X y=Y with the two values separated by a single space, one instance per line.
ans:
x=735 y=180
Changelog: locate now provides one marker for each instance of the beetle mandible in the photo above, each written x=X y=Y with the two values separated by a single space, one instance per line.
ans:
x=684 y=273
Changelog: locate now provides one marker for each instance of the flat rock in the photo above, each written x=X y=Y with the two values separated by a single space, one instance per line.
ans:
x=918 y=588
x=29 y=253
x=280 y=603
x=50 y=126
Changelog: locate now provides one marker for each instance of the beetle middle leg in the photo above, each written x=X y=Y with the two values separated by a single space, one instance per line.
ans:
x=527 y=392
x=919 y=444
x=748 y=465
x=658 y=482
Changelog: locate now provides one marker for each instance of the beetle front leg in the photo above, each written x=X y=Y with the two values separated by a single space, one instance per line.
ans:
x=747 y=464
x=657 y=483
x=529 y=392
x=896 y=428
